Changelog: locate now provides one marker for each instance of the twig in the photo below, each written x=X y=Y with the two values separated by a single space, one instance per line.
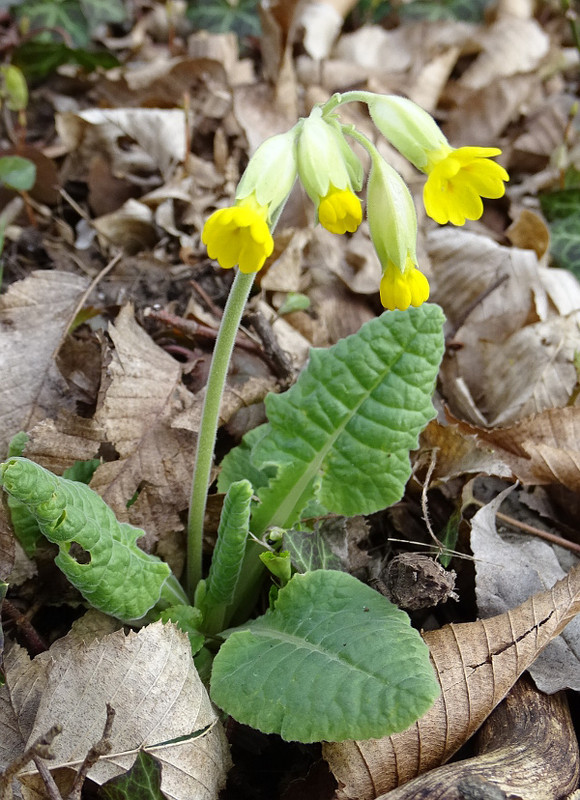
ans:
x=101 y=748
x=424 y=503
x=35 y=644
x=38 y=749
x=541 y=534
x=52 y=789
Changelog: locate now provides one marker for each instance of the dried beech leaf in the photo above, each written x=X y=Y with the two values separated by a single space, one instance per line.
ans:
x=458 y=453
x=526 y=748
x=35 y=314
x=508 y=568
x=542 y=449
x=477 y=663
x=136 y=412
x=150 y=680
x=509 y=47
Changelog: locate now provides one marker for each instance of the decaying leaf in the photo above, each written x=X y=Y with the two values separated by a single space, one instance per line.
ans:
x=541 y=449
x=148 y=678
x=477 y=663
x=508 y=568
x=505 y=310
x=35 y=314
x=526 y=748
x=136 y=413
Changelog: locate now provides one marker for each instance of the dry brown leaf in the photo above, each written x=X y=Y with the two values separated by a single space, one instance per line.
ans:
x=321 y=21
x=529 y=232
x=135 y=412
x=510 y=46
x=508 y=568
x=477 y=663
x=543 y=449
x=515 y=328
x=157 y=137
x=479 y=116
x=458 y=453
x=149 y=679
x=526 y=748
x=35 y=314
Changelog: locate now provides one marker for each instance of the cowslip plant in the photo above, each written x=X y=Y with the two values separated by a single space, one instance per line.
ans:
x=331 y=659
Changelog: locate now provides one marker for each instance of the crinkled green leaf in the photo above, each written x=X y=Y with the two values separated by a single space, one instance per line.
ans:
x=23 y=520
x=333 y=660
x=120 y=580
x=230 y=546
x=342 y=434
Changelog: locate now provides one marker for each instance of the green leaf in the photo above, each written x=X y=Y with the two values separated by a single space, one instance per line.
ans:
x=39 y=58
x=189 y=620
x=17 y=444
x=50 y=15
x=230 y=546
x=561 y=204
x=342 y=434
x=465 y=10
x=17 y=173
x=120 y=579
x=333 y=660
x=82 y=471
x=237 y=465
x=295 y=301
x=223 y=16
x=562 y=209
x=279 y=564
x=142 y=781
x=323 y=548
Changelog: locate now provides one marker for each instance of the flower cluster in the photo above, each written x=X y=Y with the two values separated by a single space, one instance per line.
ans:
x=316 y=152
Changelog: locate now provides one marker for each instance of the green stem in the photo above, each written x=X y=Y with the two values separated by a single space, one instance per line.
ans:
x=222 y=354
x=348 y=97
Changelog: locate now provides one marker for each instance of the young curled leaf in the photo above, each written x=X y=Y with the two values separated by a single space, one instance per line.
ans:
x=118 y=578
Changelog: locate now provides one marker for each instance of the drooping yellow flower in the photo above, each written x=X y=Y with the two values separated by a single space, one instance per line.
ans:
x=458 y=179
x=403 y=289
x=340 y=211
x=239 y=235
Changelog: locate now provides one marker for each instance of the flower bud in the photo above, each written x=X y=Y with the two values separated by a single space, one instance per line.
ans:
x=271 y=172
x=325 y=161
x=408 y=127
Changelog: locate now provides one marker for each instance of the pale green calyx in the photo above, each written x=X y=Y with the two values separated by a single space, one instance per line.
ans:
x=407 y=126
x=391 y=215
x=324 y=158
x=271 y=171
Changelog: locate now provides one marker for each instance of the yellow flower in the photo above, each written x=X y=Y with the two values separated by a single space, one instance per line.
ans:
x=239 y=235
x=458 y=179
x=403 y=289
x=340 y=211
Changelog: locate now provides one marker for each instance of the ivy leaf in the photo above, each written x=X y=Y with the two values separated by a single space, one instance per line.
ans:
x=120 y=579
x=323 y=548
x=333 y=660
x=342 y=434
x=143 y=780
x=562 y=211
